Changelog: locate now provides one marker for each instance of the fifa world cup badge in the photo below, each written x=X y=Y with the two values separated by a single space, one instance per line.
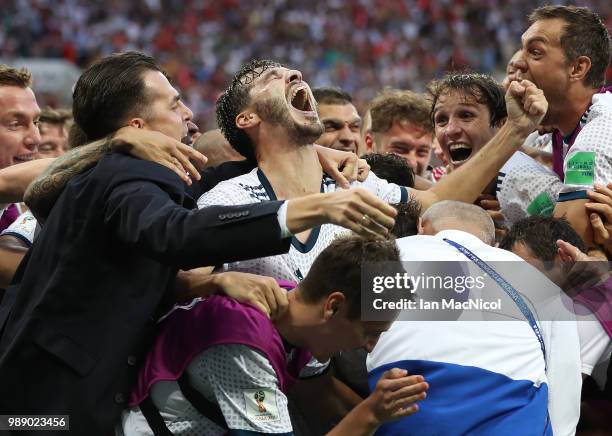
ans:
x=261 y=404
x=260 y=396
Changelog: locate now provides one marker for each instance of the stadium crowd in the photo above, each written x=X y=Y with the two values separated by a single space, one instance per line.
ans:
x=361 y=44
x=160 y=278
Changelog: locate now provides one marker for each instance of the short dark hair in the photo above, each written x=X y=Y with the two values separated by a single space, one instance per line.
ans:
x=394 y=105
x=76 y=136
x=391 y=167
x=331 y=95
x=540 y=234
x=338 y=269
x=10 y=76
x=407 y=219
x=584 y=34
x=109 y=91
x=234 y=100
x=483 y=88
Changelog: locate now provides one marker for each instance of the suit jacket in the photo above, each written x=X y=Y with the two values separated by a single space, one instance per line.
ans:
x=83 y=309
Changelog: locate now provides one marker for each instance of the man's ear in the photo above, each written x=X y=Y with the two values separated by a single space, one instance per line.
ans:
x=139 y=123
x=581 y=66
x=420 y=228
x=368 y=139
x=247 y=119
x=334 y=303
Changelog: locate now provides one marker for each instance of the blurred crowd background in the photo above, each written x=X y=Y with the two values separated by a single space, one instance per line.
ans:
x=360 y=45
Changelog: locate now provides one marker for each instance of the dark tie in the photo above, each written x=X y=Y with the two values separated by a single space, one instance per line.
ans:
x=9 y=215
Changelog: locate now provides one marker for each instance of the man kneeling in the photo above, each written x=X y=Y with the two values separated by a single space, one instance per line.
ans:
x=221 y=366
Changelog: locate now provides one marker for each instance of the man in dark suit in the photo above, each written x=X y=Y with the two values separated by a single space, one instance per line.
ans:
x=86 y=297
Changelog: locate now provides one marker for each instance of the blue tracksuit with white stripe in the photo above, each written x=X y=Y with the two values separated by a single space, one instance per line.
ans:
x=485 y=377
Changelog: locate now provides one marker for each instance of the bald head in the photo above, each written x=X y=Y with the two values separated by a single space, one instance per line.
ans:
x=215 y=147
x=455 y=215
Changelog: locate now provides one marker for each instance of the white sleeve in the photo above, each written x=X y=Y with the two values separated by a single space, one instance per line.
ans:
x=595 y=342
x=389 y=192
x=541 y=142
x=24 y=228
x=563 y=368
x=243 y=383
x=526 y=188
x=281 y=216
x=589 y=160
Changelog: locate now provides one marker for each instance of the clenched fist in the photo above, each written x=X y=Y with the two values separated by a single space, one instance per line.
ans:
x=526 y=106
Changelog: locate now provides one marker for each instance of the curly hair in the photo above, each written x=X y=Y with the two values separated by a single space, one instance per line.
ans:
x=394 y=105
x=234 y=100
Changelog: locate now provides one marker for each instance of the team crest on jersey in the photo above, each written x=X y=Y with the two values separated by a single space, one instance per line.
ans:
x=26 y=219
x=261 y=404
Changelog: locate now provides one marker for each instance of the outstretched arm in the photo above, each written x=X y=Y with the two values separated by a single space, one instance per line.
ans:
x=42 y=193
x=140 y=143
x=262 y=292
x=15 y=179
x=326 y=396
x=526 y=107
x=394 y=397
